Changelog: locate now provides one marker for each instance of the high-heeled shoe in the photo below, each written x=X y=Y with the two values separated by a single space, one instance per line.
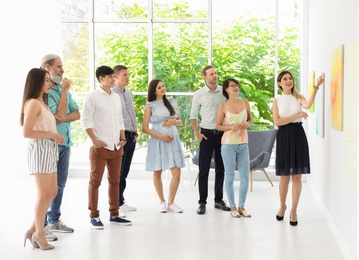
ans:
x=293 y=223
x=36 y=242
x=279 y=218
x=28 y=235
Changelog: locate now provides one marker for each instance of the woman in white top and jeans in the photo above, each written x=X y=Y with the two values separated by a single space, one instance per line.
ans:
x=234 y=117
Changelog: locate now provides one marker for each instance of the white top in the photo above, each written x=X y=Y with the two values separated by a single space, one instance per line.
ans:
x=288 y=105
x=103 y=113
x=207 y=103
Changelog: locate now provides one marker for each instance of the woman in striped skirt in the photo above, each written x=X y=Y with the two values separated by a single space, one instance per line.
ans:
x=39 y=126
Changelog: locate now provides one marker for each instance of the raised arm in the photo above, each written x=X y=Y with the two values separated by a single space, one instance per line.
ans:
x=62 y=106
x=308 y=103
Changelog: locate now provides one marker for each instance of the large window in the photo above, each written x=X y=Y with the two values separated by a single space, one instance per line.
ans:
x=173 y=40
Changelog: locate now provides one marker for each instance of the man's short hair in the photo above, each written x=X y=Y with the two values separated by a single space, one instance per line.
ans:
x=103 y=71
x=204 y=71
x=118 y=68
x=49 y=59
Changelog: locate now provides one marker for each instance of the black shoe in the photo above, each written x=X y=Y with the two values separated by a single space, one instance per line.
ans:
x=279 y=218
x=201 y=209
x=293 y=223
x=221 y=205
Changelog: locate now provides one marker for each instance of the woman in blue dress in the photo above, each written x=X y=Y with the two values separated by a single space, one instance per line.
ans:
x=164 y=150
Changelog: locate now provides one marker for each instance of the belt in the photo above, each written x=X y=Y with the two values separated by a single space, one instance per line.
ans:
x=132 y=134
x=211 y=131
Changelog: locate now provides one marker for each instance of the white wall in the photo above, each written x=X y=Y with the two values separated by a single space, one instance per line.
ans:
x=28 y=31
x=332 y=23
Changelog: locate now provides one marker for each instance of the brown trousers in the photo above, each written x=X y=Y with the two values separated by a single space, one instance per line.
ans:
x=99 y=158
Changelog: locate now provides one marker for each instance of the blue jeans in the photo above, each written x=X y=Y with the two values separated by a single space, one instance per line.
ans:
x=54 y=213
x=236 y=155
x=128 y=151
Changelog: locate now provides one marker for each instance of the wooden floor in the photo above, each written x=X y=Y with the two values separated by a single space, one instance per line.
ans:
x=154 y=235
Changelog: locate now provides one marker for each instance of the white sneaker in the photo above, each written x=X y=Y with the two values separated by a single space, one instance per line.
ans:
x=163 y=207
x=60 y=226
x=174 y=208
x=49 y=235
x=121 y=213
x=127 y=208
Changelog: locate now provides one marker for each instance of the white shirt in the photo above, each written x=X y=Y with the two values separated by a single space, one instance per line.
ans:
x=103 y=113
x=207 y=103
x=288 y=105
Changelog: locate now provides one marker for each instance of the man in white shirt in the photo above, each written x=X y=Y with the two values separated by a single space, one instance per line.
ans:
x=103 y=123
x=206 y=102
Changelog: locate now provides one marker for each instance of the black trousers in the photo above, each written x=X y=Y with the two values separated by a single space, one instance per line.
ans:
x=206 y=148
x=128 y=151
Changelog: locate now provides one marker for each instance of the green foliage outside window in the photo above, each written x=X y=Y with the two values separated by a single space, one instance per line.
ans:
x=244 y=49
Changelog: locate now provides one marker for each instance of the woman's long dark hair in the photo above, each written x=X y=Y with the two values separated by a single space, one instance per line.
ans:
x=151 y=96
x=225 y=85
x=33 y=85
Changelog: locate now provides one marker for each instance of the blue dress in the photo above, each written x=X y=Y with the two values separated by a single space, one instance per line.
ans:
x=162 y=155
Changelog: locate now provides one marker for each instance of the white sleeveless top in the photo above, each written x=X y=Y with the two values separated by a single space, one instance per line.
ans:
x=288 y=105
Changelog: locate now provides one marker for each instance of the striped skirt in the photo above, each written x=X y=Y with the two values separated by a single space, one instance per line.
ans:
x=42 y=156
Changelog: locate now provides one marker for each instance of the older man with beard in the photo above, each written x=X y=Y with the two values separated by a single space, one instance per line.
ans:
x=65 y=111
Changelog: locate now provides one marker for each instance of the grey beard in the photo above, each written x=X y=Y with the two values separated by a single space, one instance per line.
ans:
x=55 y=77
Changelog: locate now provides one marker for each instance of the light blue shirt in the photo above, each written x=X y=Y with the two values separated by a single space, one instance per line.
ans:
x=63 y=128
x=128 y=108
x=206 y=103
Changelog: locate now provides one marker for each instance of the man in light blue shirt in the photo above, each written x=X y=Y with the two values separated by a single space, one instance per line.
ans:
x=129 y=118
x=206 y=102
x=65 y=111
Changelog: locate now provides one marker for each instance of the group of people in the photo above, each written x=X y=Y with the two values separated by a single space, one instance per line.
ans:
x=109 y=119
x=46 y=114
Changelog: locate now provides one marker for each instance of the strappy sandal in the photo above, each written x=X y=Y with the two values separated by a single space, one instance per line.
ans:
x=235 y=214
x=244 y=213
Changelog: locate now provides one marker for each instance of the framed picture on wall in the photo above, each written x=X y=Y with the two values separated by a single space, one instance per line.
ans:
x=319 y=110
x=337 y=88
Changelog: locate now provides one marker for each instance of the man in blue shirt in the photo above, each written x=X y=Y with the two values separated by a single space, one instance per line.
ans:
x=129 y=118
x=205 y=102
x=65 y=111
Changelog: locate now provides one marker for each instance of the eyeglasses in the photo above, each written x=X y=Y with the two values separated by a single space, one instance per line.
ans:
x=233 y=85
